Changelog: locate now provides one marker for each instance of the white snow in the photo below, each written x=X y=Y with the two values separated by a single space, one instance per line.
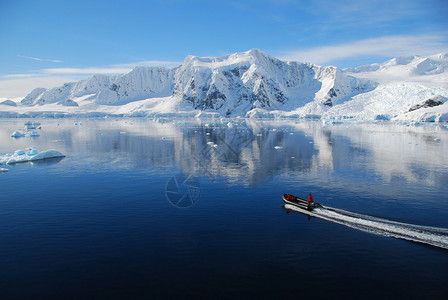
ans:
x=385 y=102
x=253 y=84
x=29 y=154
x=430 y=71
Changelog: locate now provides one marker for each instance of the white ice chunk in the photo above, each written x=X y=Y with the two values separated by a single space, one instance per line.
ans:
x=32 y=133
x=20 y=152
x=47 y=154
x=31 y=154
x=17 y=134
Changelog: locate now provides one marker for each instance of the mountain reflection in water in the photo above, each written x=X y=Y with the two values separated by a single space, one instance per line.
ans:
x=246 y=150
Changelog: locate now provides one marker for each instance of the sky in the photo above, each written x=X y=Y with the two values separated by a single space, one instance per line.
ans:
x=47 y=43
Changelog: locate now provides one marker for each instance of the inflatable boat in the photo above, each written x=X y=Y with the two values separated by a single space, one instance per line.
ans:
x=300 y=202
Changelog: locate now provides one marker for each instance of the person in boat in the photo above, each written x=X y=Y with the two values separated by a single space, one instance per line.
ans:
x=310 y=202
x=310 y=199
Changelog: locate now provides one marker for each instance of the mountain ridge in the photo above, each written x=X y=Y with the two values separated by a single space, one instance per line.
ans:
x=252 y=83
x=231 y=84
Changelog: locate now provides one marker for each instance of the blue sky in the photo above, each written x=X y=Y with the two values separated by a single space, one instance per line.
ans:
x=46 y=43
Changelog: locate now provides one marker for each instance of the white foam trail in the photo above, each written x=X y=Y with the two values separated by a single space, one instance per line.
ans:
x=423 y=234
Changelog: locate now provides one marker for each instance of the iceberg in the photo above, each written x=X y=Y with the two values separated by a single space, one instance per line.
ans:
x=30 y=154
x=17 y=134
x=32 y=125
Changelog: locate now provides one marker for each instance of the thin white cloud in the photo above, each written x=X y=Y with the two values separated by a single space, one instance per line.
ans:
x=17 y=88
x=86 y=71
x=388 y=46
x=14 y=86
x=40 y=59
x=113 y=69
x=18 y=75
x=29 y=57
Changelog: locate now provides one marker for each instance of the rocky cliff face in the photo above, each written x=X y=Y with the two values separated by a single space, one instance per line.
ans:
x=231 y=84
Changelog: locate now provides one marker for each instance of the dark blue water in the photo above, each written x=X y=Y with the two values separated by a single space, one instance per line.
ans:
x=188 y=208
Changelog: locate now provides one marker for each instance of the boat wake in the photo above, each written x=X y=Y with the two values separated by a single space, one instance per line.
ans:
x=422 y=234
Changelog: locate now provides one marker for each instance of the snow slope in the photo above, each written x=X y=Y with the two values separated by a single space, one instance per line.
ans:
x=254 y=84
x=403 y=82
x=430 y=71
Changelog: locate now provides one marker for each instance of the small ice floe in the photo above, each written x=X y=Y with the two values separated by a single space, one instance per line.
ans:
x=211 y=144
x=32 y=125
x=259 y=134
x=17 y=134
x=2 y=170
x=437 y=139
x=208 y=133
x=278 y=147
x=29 y=154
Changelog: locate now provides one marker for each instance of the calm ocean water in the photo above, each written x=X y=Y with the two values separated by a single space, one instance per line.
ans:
x=190 y=208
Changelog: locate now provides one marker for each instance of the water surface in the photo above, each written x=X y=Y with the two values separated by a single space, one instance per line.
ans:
x=189 y=208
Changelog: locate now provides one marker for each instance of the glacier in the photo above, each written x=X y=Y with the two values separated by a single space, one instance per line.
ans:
x=254 y=84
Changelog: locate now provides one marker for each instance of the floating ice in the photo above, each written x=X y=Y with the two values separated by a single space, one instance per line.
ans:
x=2 y=170
x=17 y=134
x=30 y=154
x=19 y=152
x=31 y=125
x=278 y=147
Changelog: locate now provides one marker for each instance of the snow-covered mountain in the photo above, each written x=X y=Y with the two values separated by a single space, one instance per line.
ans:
x=231 y=85
x=255 y=84
x=432 y=70
x=138 y=84
x=404 y=83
